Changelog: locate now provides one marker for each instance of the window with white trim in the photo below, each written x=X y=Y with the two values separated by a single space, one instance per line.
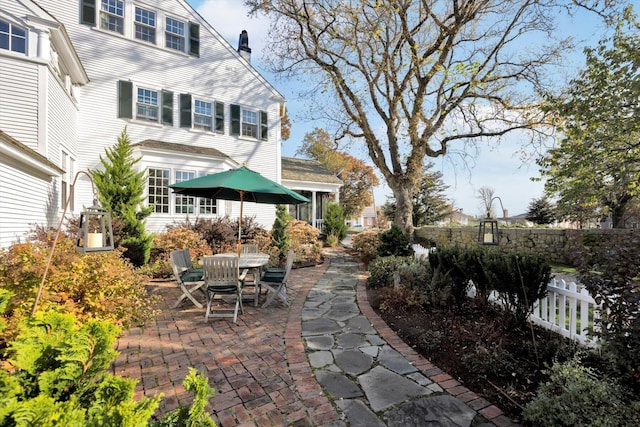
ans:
x=174 y=34
x=158 y=190
x=12 y=37
x=147 y=105
x=145 y=25
x=249 y=123
x=184 y=204
x=112 y=15
x=206 y=205
x=202 y=118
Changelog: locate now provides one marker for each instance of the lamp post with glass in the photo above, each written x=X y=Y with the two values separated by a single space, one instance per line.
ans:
x=488 y=233
x=95 y=232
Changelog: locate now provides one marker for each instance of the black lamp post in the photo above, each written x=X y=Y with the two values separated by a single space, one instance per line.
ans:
x=488 y=233
x=95 y=232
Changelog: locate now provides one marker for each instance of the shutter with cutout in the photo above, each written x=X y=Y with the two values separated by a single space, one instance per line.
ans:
x=235 y=120
x=125 y=99
x=88 y=12
x=185 y=110
x=167 y=107
x=194 y=39
x=264 y=129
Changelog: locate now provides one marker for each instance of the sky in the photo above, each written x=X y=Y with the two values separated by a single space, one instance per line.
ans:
x=499 y=167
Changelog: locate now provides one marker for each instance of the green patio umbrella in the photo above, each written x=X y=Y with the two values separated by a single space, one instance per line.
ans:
x=241 y=185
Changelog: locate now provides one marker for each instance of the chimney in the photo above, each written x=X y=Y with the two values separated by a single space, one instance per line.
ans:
x=243 y=46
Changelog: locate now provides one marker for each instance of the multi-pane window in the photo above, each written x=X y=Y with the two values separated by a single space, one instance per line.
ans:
x=112 y=15
x=202 y=118
x=184 y=204
x=249 y=123
x=147 y=105
x=159 y=190
x=145 y=25
x=174 y=34
x=207 y=205
x=12 y=38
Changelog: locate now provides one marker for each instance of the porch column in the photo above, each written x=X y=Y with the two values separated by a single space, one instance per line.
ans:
x=313 y=209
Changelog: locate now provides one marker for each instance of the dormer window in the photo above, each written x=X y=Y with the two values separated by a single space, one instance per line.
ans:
x=145 y=25
x=12 y=37
x=112 y=16
x=174 y=34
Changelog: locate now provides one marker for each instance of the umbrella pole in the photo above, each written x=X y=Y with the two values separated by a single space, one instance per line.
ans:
x=240 y=223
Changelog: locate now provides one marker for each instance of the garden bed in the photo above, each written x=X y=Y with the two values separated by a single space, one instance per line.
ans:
x=478 y=346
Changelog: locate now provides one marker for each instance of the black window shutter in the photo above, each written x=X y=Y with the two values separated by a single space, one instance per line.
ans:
x=219 y=117
x=125 y=99
x=185 y=110
x=167 y=107
x=264 y=129
x=194 y=39
x=88 y=12
x=235 y=119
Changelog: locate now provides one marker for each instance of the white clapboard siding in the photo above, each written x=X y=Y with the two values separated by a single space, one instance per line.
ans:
x=24 y=201
x=61 y=122
x=19 y=100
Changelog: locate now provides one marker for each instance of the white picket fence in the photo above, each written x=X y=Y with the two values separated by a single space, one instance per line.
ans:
x=568 y=308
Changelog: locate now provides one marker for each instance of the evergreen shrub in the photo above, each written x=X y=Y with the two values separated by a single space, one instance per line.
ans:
x=575 y=395
x=394 y=242
x=334 y=222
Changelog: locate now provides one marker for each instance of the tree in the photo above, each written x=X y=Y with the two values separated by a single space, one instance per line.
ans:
x=411 y=77
x=429 y=201
x=358 y=178
x=334 y=222
x=121 y=191
x=595 y=169
x=486 y=195
x=540 y=211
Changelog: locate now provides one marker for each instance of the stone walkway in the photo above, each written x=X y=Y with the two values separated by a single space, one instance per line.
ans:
x=327 y=360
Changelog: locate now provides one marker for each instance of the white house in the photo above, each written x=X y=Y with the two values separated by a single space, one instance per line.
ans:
x=75 y=73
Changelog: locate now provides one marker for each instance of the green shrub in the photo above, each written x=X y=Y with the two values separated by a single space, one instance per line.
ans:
x=334 y=222
x=520 y=280
x=366 y=244
x=57 y=374
x=394 y=242
x=448 y=263
x=576 y=396
x=381 y=271
x=611 y=273
x=279 y=236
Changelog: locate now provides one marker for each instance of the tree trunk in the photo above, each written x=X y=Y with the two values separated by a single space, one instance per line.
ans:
x=404 y=207
x=618 y=212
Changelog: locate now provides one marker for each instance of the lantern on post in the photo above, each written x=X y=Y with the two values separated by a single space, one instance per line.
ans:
x=95 y=232
x=488 y=232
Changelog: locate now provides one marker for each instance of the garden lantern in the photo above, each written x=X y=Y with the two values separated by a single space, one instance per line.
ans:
x=95 y=232
x=488 y=233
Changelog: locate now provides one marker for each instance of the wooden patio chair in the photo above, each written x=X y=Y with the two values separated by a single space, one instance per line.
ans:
x=249 y=248
x=222 y=277
x=276 y=282
x=189 y=278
